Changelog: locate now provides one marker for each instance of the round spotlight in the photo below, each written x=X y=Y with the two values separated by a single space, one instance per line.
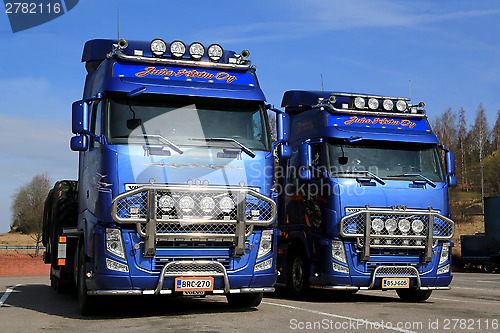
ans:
x=226 y=204
x=166 y=203
x=377 y=225
x=186 y=203
x=245 y=54
x=391 y=225
x=373 y=103
x=207 y=204
x=333 y=99
x=359 y=102
x=417 y=226
x=215 y=52
x=122 y=44
x=158 y=47
x=404 y=225
x=196 y=50
x=388 y=105
x=177 y=49
x=401 y=105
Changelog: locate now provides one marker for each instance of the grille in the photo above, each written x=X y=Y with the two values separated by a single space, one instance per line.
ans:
x=194 y=269
x=190 y=228
x=386 y=271
x=160 y=262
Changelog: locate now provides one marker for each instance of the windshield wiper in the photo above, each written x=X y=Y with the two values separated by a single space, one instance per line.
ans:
x=427 y=180
x=161 y=139
x=372 y=175
x=247 y=150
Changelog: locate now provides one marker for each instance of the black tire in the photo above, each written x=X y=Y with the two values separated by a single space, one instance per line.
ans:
x=487 y=268
x=244 y=300
x=85 y=301
x=63 y=213
x=298 y=275
x=413 y=295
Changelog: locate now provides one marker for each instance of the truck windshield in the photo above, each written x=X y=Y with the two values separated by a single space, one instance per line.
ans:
x=387 y=160
x=184 y=122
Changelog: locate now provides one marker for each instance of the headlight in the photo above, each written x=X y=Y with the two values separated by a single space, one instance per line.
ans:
x=266 y=243
x=401 y=105
x=338 y=251
x=417 y=226
x=391 y=225
x=186 y=203
x=373 y=103
x=404 y=225
x=178 y=49
x=388 y=104
x=207 y=204
x=359 y=102
x=215 y=52
x=377 y=225
x=158 y=47
x=226 y=204
x=196 y=50
x=114 y=242
x=166 y=203
x=445 y=253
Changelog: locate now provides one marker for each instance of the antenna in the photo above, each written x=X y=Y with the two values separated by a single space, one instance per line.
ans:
x=323 y=90
x=409 y=87
x=118 y=22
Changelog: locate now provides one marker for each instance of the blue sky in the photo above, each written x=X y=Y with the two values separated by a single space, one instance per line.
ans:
x=449 y=49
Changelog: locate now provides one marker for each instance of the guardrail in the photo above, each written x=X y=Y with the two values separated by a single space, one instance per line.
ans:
x=21 y=247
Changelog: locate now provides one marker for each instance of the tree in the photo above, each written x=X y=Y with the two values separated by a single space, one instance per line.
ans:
x=496 y=133
x=462 y=149
x=27 y=208
x=481 y=135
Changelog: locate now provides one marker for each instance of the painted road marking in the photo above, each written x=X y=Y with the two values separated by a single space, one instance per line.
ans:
x=364 y=322
x=7 y=293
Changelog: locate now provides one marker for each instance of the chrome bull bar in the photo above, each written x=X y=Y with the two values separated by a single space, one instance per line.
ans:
x=140 y=206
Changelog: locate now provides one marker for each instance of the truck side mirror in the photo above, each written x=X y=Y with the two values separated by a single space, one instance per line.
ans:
x=80 y=117
x=284 y=151
x=283 y=127
x=305 y=161
x=79 y=143
x=450 y=168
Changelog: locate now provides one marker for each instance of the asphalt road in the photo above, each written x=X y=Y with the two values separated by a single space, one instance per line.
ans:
x=472 y=305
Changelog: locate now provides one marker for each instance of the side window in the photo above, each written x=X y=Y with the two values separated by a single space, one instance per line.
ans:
x=96 y=121
x=256 y=126
x=317 y=160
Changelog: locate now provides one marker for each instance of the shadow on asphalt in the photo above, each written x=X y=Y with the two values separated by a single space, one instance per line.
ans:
x=44 y=299
x=330 y=296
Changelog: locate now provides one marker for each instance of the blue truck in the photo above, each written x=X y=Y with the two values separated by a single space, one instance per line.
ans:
x=363 y=200
x=176 y=177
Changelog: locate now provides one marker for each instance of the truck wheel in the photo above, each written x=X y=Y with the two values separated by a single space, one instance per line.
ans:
x=413 y=295
x=487 y=268
x=85 y=301
x=244 y=300
x=297 y=275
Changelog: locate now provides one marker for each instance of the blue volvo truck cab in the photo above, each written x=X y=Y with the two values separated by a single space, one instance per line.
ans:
x=363 y=198
x=175 y=184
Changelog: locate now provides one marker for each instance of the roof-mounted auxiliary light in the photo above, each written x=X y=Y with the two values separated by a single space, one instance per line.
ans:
x=359 y=102
x=401 y=105
x=373 y=103
x=388 y=105
x=333 y=99
x=245 y=54
x=215 y=52
x=196 y=50
x=158 y=47
x=177 y=49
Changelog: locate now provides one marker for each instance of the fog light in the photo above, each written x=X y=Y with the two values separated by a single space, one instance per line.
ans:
x=404 y=225
x=359 y=102
x=116 y=266
x=339 y=268
x=444 y=269
x=401 y=105
x=207 y=204
x=391 y=225
x=377 y=225
x=417 y=226
x=186 y=203
x=266 y=264
x=388 y=105
x=166 y=203
x=226 y=204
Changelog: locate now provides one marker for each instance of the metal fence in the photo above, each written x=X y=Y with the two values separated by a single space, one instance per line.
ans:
x=17 y=248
